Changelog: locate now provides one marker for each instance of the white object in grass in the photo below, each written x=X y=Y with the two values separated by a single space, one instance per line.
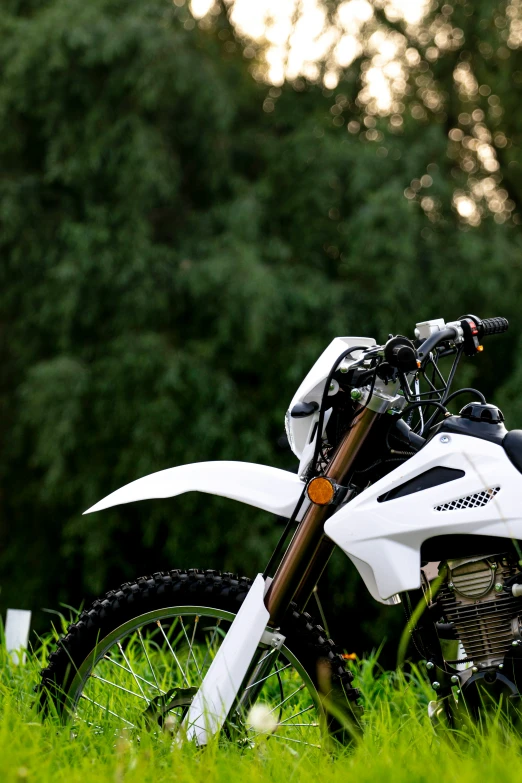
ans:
x=262 y=719
x=17 y=626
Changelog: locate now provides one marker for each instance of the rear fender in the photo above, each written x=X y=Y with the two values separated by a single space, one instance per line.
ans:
x=270 y=489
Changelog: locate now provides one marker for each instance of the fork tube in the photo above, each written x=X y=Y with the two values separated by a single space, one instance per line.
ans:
x=318 y=563
x=313 y=573
x=306 y=556
x=260 y=667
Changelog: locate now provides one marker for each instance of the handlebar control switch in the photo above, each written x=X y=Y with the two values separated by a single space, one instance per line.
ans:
x=400 y=352
x=474 y=329
x=471 y=329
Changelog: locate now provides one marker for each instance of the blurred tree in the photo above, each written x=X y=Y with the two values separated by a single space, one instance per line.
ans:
x=179 y=243
x=456 y=65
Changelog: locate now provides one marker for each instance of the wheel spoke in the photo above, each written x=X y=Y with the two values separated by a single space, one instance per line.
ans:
x=297 y=690
x=158 y=623
x=296 y=715
x=277 y=671
x=148 y=660
x=119 y=687
x=190 y=648
x=120 y=648
x=196 y=621
x=106 y=709
x=120 y=666
x=267 y=656
x=209 y=647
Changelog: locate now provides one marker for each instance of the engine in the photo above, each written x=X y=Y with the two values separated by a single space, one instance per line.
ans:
x=477 y=597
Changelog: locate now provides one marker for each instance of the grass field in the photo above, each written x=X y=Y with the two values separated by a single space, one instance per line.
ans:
x=398 y=744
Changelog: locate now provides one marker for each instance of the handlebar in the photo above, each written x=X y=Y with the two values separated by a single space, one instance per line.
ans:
x=473 y=329
x=449 y=333
x=467 y=332
x=493 y=326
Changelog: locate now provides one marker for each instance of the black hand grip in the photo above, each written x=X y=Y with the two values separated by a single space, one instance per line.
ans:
x=493 y=326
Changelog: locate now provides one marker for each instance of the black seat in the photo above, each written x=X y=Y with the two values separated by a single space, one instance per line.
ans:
x=513 y=447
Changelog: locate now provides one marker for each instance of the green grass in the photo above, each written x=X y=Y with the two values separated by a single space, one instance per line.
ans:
x=398 y=744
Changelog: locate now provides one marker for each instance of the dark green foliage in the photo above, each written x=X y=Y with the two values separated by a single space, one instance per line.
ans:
x=173 y=261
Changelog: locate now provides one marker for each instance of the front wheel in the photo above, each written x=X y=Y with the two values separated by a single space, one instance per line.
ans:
x=136 y=658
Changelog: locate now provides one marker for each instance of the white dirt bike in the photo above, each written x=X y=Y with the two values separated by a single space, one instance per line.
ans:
x=417 y=498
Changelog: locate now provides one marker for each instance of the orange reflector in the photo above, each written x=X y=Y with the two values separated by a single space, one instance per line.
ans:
x=480 y=347
x=321 y=491
x=350 y=656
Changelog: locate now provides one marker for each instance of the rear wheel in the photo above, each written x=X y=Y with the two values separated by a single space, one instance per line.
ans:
x=136 y=658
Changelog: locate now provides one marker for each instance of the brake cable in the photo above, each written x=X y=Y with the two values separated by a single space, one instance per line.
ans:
x=302 y=497
x=322 y=409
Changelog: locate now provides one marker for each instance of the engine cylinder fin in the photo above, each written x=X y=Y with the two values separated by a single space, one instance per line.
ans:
x=493 y=617
x=493 y=611
x=498 y=642
x=469 y=643
x=484 y=617
x=494 y=630
x=502 y=601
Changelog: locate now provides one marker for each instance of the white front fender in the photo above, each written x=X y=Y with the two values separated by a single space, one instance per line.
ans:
x=270 y=489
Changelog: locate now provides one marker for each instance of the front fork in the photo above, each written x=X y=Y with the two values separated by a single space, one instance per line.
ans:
x=236 y=673
x=260 y=668
x=306 y=557
x=309 y=551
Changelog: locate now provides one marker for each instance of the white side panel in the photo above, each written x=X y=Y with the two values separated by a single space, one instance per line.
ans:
x=271 y=489
x=222 y=682
x=383 y=539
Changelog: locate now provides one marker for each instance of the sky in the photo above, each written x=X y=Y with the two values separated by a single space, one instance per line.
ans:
x=299 y=36
x=299 y=40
